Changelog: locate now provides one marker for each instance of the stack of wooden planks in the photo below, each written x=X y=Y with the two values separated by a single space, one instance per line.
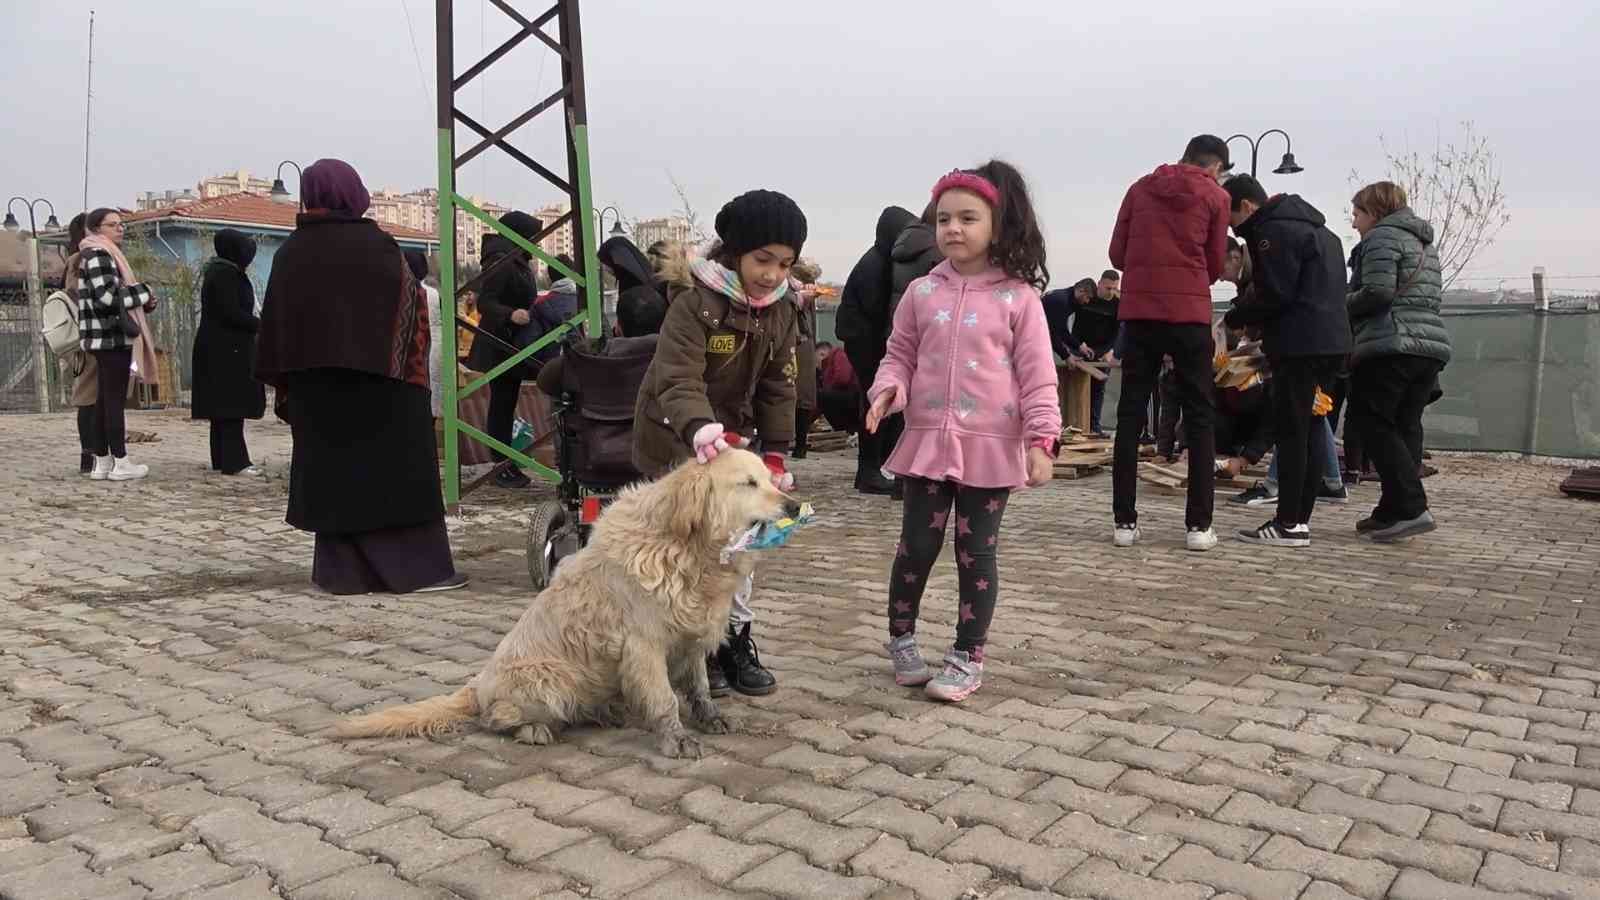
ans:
x=1173 y=480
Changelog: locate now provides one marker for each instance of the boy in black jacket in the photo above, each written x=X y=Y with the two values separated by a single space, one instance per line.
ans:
x=1298 y=281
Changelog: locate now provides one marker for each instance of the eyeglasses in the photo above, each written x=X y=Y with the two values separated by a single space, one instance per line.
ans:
x=113 y=225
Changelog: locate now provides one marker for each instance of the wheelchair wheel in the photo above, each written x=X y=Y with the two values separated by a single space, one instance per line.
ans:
x=545 y=529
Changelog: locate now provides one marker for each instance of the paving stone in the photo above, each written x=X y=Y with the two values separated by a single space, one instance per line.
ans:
x=450 y=806
x=729 y=816
x=826 y=803
x=920 y=830
x=825 y=768
x=1227 y=841
x=366 y=881
x=343 y=815
x=1424 y=747
x=66 y=878
x=1321 y=830
x=1197 y=864
x=1428 y=771
x=1450 y=862
x=787 y=875
x=1557 y=754
x=1004 y=781
x=70 y=814
x=628 y=826
x=280 y=791
x=716 y=857
x=1132 y=851
x=822 y=845
x=919 y=792
x=1201 y=798
x=1479 y=809
x=1504 y=873
x=76 y=754
x=547 y=796
x=413 y=846
x=1448 y=829
x=487 y=875
x=1397 y=818
x=681 y=884
x=647 y=789
x=1110 y=809
x=1030 y=864
x=1281 y=789
x=177 y=873
x=1580 y=857
x=1364 y=878
x=1547 y=795
x=1166 y=762
x=1021 y=819
x=1089 y=773
x=1100 y=878
x=523 y=835
x=1415 y=884
x=608 y=871
x=930 y=879
x=124 y=840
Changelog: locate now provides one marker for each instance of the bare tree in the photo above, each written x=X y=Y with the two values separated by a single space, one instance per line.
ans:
x=686 y=210
x=1456 y=187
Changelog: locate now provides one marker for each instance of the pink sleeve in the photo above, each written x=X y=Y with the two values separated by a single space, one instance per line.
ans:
x=1038 y=402
x=900 y=360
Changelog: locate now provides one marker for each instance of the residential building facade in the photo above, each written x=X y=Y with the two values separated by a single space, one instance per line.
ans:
x=666 y=228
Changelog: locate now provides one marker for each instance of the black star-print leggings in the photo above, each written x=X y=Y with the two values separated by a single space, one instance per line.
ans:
x=977 y=525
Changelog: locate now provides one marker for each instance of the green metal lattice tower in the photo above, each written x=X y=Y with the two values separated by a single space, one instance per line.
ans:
x=575 y=184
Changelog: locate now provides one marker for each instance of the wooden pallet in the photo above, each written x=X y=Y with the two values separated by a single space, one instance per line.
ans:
x=1171 y=480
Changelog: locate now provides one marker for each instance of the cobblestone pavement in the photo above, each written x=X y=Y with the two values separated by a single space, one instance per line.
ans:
x=1411 y=722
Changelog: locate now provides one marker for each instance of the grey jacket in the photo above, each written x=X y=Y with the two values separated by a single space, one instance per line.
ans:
x=1394 y=304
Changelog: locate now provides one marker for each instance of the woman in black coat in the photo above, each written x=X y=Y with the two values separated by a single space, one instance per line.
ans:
x=503 y=302
x=225 y=388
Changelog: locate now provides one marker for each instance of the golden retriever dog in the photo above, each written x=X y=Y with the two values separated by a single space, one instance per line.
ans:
x=625 y=624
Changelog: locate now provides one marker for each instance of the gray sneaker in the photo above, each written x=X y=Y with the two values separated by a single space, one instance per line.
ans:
x=910 y=669
x=960 y=679
x=1409 y=528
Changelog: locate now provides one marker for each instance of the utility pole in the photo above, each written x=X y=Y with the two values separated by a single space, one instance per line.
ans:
x=1541 y=332
x=88 y=112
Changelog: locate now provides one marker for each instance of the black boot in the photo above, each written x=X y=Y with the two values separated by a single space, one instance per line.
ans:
x=714 y=676
x=741 y=664
x=874 y=483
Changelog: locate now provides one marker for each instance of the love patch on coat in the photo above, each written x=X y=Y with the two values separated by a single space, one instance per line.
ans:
x=722 y=343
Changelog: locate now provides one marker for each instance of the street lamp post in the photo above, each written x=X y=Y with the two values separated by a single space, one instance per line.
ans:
x=44 y=379
x=1287 y=167
x=279 y=192
x=616 y=225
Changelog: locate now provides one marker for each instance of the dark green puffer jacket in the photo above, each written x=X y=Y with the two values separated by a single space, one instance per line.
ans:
x=1394 y=308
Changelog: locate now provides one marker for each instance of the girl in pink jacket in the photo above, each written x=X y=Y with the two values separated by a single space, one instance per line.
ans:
x=969 y=363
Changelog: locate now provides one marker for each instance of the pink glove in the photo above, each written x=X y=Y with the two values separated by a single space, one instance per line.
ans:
x=782 y=478
x=712 y=439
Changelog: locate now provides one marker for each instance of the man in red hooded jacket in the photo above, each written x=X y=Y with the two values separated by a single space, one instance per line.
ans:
x=1171 y=242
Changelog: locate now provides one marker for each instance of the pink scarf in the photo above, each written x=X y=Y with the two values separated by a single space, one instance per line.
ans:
x=726 y=282
x=144 y=349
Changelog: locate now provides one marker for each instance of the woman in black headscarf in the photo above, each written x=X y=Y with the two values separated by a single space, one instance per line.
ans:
x=344 y=332
x=225 y=388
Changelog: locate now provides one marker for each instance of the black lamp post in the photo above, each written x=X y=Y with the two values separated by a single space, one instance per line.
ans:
x=1287 y=167
x=616 y=225
x=11 y=223
x=279 y=192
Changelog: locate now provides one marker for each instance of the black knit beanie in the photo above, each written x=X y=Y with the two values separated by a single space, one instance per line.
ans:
x=523 y=224
x=757 y=218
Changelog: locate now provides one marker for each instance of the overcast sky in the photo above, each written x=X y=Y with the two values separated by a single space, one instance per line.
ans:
x=845 y=106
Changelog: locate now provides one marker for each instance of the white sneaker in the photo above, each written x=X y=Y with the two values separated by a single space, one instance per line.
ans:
x=1201 y=540
x=123 y=470
x=1125 y=535
x=102 y=468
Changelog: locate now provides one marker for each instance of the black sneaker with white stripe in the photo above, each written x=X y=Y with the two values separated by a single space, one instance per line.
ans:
x=1257 y=495
x=1274 y=534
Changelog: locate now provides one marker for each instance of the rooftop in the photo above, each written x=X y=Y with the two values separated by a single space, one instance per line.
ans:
x=252 y=209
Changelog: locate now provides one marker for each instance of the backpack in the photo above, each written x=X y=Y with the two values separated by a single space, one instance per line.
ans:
x=60 y=317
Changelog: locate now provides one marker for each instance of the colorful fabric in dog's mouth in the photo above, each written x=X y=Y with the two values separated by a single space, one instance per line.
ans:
x=767 y=535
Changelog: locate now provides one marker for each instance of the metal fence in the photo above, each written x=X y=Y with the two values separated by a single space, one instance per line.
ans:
x=20 y=372
x=1520 y=381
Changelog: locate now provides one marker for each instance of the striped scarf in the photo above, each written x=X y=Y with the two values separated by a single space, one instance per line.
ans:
x=726 y=282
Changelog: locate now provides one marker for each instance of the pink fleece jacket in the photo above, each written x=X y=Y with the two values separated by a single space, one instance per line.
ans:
x=971 y=357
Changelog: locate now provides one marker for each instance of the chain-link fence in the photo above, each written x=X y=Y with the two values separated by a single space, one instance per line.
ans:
x=21 y=390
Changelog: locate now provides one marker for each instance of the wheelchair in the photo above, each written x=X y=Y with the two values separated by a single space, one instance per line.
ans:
x=594 y=449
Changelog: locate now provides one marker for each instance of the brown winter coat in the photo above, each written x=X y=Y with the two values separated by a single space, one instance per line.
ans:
x=76 y=364
x=716 y=362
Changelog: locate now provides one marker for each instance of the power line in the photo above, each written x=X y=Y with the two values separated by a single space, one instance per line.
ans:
x=411 y=32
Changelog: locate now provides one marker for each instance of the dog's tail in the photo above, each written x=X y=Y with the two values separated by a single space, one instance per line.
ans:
x=434 y=715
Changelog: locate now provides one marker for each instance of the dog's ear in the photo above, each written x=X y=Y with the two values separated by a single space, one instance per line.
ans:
x=690 y=502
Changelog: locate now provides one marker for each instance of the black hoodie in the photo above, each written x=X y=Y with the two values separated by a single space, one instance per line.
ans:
x=1297 y=281
x=864 y=306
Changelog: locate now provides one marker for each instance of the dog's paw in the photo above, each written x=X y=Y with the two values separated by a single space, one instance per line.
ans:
x=681 y=745
x=706 y=717
x=536 y=734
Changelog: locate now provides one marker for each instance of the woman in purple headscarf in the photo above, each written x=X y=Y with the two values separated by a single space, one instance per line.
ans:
x=344 y=341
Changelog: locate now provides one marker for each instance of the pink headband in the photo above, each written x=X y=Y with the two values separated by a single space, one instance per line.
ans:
x=968 y=181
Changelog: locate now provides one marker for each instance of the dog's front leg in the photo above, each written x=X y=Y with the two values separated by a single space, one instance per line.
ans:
x=646 y=685
x=689 y=676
